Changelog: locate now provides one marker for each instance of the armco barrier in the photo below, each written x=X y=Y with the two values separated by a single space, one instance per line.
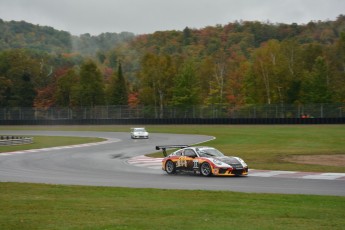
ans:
x=14 y=140
x=137 y=121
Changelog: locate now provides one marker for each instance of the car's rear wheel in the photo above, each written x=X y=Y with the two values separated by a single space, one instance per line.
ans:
x=170 y=167
x=205 y=169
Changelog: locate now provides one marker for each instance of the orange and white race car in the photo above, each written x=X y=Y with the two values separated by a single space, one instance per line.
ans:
x=202 y=160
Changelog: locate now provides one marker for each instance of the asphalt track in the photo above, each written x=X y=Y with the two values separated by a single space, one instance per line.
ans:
x=106 y=164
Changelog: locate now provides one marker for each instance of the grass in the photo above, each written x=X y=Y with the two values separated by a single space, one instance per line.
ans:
x=266 y=147
x=39 y=206
x=50 y=141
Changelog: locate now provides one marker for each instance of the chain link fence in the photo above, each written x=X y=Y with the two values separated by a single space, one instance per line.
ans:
x=151 y=112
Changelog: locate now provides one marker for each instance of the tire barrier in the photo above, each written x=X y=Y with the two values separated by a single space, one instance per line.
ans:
x=14 y=140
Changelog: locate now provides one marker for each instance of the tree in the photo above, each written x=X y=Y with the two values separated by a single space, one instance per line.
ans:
x=235 y=88
x=5 y=85
x=118 y=89
x=24 y=92
x=216 y=93
x=91 y=88
x=19 y=69
x=66 y=89
x=156 y=80
x=45 y=97
x=316 y=88
x=186 y=87
x=187 y=40
x=337 y=56
x=268 y=71
x=293 y=66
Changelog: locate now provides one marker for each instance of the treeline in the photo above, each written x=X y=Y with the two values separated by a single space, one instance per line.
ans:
x=235 y=64
x=25 y=35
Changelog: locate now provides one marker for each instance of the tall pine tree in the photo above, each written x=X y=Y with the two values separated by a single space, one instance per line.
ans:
x=119 y=94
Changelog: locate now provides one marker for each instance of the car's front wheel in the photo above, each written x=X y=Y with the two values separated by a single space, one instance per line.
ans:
x=205 y=169
x=170 y=167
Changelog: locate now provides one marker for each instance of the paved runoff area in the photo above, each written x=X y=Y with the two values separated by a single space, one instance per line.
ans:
x=156 y=163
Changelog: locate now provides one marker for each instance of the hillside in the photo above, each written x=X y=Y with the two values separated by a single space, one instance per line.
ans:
x=21 y=34
x=241 y=63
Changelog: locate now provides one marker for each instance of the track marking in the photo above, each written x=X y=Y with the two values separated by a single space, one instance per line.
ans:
x=156 y=163
x=59 y=148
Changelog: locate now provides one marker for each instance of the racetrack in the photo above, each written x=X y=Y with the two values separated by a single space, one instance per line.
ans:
x=106 y=164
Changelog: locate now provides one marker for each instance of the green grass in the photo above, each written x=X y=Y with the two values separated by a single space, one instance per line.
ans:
x=49 y=141
x=266 y=147
x=39 y=206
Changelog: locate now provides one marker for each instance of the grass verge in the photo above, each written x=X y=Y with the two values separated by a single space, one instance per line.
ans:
x=50 y=141
x=39 y=206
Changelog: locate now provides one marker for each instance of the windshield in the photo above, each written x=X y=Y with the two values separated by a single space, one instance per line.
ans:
x=139 y=130
x=209 y=152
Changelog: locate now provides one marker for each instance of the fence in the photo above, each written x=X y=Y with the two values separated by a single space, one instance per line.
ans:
x=276 y=111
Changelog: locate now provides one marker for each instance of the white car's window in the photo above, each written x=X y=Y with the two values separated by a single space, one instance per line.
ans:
x=139 y=130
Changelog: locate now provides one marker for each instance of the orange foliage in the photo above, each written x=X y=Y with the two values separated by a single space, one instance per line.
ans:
x=133 y=100
x=45 y=97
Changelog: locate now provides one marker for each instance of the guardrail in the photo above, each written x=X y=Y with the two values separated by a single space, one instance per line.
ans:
x=14 y=140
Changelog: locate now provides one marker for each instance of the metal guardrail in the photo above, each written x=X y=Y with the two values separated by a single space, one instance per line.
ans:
x=14 y=140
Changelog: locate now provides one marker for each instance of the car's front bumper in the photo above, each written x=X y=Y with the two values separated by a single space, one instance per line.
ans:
x=229 y=172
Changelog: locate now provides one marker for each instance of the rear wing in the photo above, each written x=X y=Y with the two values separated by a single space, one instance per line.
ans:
x=165 y=147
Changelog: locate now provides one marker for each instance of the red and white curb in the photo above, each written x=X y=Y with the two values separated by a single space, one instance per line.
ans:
x=156 y=163
x=59 y=148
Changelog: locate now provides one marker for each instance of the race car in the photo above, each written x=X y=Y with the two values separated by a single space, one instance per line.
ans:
x=202 y=160
x=137 y=133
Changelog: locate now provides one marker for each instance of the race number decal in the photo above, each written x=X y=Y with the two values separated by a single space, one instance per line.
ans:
x=195 y=164
x=182 y=162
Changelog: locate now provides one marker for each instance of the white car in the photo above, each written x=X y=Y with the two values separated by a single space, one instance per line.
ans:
x=137 y=133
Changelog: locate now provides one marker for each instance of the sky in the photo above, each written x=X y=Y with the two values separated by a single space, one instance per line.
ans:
x=147 y=16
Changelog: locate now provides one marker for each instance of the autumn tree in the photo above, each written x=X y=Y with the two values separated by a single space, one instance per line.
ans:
x=18 y=70
x=216 y=92
x=337 y=56
x=67 y=89
x=156 y=78
x=268 y=67
x=236 y=82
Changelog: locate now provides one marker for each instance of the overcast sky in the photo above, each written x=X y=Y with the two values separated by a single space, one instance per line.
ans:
x=147 y=16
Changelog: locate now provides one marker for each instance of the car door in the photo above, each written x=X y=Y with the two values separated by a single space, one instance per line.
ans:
x=189 y=157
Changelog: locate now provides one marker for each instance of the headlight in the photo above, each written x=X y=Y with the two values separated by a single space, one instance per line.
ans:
x=242 y=162
x=217 y=162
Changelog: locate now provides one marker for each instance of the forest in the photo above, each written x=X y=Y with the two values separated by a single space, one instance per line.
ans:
x=240 y=63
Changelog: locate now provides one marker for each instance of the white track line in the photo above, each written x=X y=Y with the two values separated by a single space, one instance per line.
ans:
x=59 y=148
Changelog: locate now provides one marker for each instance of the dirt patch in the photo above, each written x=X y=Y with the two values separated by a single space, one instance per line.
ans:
x=329 y=160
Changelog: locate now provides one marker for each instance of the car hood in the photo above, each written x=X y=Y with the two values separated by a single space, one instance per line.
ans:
x=228 y=160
